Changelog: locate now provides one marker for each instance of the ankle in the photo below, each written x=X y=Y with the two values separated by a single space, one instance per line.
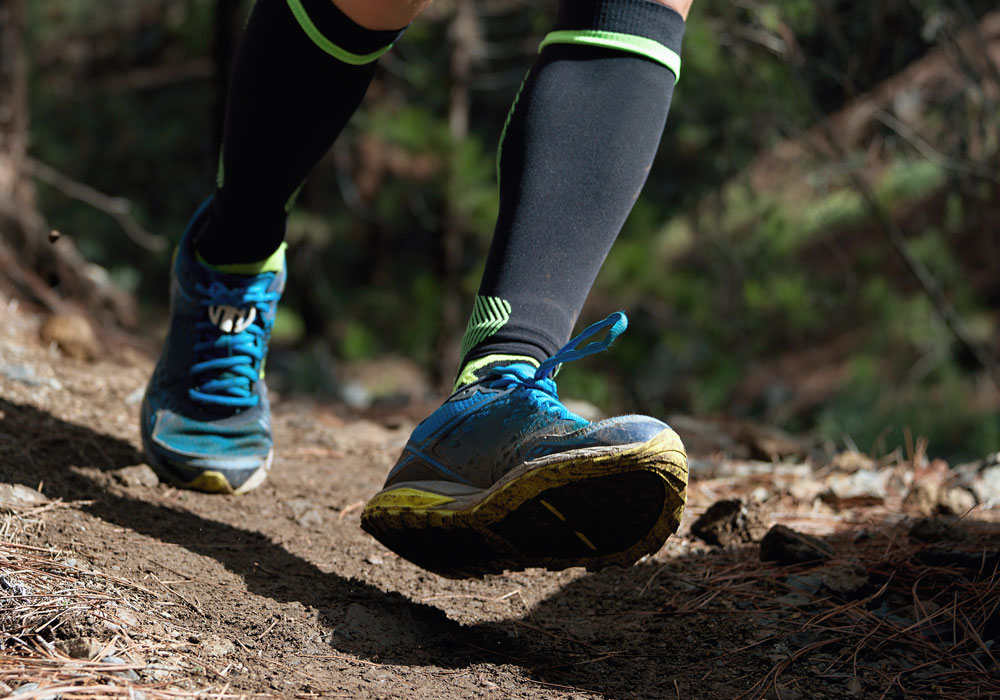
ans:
x=473 y=370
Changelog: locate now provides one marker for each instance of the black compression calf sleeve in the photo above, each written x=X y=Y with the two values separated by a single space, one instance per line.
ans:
x=579 y=142
x=300 y=73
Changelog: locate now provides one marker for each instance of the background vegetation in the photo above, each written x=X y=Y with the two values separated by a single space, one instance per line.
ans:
x=764 y=267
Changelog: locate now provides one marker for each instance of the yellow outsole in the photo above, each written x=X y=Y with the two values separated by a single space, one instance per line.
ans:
x=592 y=508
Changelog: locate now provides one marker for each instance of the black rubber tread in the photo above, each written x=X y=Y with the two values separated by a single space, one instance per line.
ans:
x=624 y=507
x=611 y=512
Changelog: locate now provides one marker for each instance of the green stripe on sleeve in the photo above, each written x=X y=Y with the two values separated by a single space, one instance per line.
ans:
x=321 y=41
x=506 y=123
x=653 y=50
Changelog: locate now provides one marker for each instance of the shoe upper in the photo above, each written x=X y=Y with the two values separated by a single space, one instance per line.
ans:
x=510 y=416
x=206 y=404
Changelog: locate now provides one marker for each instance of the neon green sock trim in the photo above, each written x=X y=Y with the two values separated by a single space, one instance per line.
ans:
x=489 y=314
x=274 y=263
x=321 y=41
x=468 y=373
x=622 y=42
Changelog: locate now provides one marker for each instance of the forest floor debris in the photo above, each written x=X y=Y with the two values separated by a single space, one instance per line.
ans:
x=114 y=585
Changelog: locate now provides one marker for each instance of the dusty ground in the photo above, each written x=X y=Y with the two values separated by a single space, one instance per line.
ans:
x=280 y=593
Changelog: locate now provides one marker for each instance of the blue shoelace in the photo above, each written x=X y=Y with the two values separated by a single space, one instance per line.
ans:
x=541 y=380
x=227 y=365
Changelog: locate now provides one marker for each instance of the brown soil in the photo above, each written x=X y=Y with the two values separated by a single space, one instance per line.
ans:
x=279 y=592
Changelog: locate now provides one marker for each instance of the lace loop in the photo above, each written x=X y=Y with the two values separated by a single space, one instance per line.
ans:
x=616 y=324
x=540 y=380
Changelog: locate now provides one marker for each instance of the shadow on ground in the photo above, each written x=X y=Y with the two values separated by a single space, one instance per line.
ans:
x=711 y=626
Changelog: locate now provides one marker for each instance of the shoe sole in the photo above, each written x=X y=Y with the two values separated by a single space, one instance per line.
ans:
x=211 y=480
x=207 y=480
x=592 y=507
x=195 y=479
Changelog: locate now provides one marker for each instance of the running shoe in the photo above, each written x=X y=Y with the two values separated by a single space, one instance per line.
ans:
x=206 y=421
x=504 y=477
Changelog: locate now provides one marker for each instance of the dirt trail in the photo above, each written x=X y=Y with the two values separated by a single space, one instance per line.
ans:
x=280 y=593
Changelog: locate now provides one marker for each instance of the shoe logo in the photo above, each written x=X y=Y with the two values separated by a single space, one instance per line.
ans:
x=230 y=319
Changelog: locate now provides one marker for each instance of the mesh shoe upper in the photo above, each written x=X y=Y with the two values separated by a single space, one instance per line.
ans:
x=512 y=415
x=206 y=405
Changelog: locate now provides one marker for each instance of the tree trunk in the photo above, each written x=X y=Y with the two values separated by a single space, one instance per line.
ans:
x=16 y=192
x=30 y=267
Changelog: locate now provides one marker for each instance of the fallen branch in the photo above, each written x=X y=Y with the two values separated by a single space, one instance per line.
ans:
x=117 y=208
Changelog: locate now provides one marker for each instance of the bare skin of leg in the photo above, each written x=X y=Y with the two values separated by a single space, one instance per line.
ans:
x=681 y=7
x=396 y=14
x=382 y=14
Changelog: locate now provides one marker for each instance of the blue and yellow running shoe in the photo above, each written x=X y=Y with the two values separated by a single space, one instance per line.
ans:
x=504 y=477
x=206 y=421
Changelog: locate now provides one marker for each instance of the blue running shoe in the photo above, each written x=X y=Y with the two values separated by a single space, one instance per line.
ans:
x=504 y=477
x=206 y=421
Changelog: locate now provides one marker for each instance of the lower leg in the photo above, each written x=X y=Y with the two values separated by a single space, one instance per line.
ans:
x=577 y=147
x=302 y=69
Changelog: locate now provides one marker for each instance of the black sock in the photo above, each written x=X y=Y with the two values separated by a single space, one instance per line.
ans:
x=577 y=147
x=301 y=71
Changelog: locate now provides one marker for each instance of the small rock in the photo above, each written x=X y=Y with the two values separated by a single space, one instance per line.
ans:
x=26 y=375
x=923 y=498
x=947 y=554
x=72 y=334
x=795 y=599
x=731 y=522
x=29 y=687
x=846 y=581
x=218 y=646
x=136 y=476
x=851 y=462
x=937 y=530
x=789 y=693
x=10 y=585
x=806 y=490
x=82 y=647
x=864 y=484
x=760 y=494
x=956 y=501
x=854 y=686
x=986 y=484
x=127 y=618
x=127 y=674
x=374 y=560
x=299 y=506
x=16 y=494
x=786 y=546
x=311 y=519
x=810 y=583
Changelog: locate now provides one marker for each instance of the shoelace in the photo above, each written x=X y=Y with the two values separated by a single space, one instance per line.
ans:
x=541 y=379
x=226 y=365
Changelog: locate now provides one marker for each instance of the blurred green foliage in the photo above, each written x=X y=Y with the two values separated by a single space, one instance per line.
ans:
x=724 y=277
